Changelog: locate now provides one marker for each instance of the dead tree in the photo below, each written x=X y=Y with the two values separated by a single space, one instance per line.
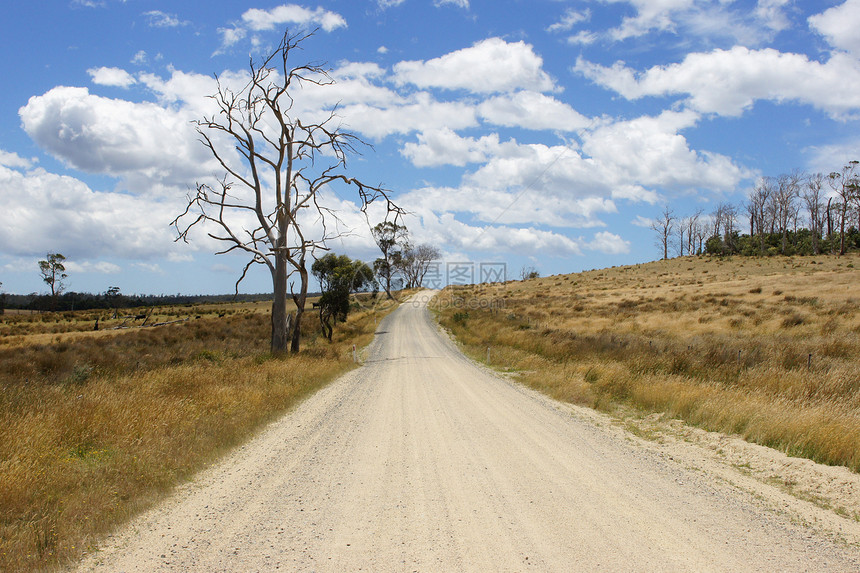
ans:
x=281 y=166
x=692 y=223
x=700 y=233
x=786 y=193
x=813 y=198
x=760 y=208
x=729 y=215
x=682 y=233
x=717 y=220
x=846 y=184
x=415 y=263
x=664 y=226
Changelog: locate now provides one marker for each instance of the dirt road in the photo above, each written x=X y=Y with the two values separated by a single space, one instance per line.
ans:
x=422 y=461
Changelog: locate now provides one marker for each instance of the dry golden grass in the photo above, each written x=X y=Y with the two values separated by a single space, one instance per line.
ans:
x=22 y=328
x=766 y=348
x=94 y=429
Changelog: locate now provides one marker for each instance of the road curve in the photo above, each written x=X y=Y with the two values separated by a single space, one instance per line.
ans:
x=423 y=461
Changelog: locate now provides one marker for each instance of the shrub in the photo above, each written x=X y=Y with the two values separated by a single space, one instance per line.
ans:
x=461 y=317
x=793 y=319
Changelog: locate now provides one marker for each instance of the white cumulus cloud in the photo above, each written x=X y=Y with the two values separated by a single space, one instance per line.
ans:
x=514 y=207
x=492 y=65
x=418 y=113
x=48 y=212
x=115 y=77
x=13 y=160
x=651 y=152
x=532 y=110
x=650 y=15
x=705 y=21
x=609 y=243
x=446 y=229
x=112 y=136
x=443 y=146
x=260 y=20
x=728 y=82
x=840 y=25
x=231 y=37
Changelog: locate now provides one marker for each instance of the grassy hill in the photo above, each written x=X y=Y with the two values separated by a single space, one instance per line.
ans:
x=768 y=348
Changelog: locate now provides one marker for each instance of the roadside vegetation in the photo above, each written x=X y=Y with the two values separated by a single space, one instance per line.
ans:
x=95 y=426
x=762 y=347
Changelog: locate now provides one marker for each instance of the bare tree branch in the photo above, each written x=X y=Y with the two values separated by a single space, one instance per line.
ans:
x=282 y=164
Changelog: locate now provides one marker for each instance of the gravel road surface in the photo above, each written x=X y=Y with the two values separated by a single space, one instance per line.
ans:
x=421 y=460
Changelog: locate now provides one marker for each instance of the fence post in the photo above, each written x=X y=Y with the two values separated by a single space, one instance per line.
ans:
x=488 y=355
x=354 y=359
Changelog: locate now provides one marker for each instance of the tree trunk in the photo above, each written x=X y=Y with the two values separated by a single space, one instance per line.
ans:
x=813 y=223
x=279 y=305
x=327 y=328
x=665 y=243
x=844 y=215
x=388 y=286
x=300 y=300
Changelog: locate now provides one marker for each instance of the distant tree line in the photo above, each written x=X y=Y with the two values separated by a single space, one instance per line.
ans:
x=53 y=273
x=107 y=300
x=791 y=214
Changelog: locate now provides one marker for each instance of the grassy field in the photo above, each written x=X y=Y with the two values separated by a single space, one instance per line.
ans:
x=97 y=425
x=768 y=348
x=26 y=327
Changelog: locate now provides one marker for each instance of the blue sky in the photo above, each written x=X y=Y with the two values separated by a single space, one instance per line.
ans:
x=532 y=132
